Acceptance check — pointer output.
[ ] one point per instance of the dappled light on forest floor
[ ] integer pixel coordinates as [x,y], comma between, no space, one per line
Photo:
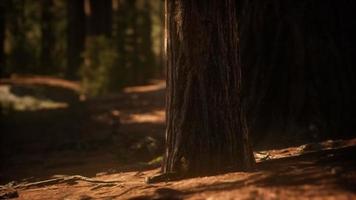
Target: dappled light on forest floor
[41,80]
[302,149]
[152,117]
[321,174]
[9,100]
[157,85]
[257,102]
[30,93]
[106,147]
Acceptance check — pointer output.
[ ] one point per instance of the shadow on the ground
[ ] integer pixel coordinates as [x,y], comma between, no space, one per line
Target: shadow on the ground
[334,167]
[122,132]
[104,134]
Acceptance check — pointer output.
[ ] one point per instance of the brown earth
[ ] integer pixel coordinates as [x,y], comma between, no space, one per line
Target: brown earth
[105,148]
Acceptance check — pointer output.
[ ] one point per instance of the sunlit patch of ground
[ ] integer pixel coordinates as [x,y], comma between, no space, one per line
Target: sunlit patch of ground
[11,101]
[157,85]
[116,142]
[303,149]
[151,117]
[124,117]
[42,80]
[31,93]
[328,173]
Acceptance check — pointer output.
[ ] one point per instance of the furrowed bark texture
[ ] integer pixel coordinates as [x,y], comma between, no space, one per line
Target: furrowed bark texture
[206,129]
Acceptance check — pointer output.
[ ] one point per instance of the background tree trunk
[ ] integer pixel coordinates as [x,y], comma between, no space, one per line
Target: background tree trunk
[146,65]
[100,19]
[75,37]
[47,37]
[206,130]
[2,38]
[19,56]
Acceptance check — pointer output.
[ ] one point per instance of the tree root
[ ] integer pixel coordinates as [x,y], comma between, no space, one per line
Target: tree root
[164,177]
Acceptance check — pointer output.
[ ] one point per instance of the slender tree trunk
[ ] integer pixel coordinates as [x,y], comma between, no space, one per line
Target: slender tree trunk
[161,62]
[147,65]
[2,38]
[15,23]
[134,41]
[206,129]
[75,37]
[120,26]
[100,19]
[47,37]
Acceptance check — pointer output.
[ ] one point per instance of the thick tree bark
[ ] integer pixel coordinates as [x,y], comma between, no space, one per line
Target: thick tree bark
[75,36]
[47,37]
[206,129]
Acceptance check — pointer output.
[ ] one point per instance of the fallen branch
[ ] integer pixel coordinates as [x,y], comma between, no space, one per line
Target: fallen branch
[65,179]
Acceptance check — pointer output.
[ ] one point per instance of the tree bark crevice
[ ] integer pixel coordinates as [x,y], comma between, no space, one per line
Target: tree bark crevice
[206,131]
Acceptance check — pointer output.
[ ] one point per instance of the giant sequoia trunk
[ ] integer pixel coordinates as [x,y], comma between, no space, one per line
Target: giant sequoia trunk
[206,129]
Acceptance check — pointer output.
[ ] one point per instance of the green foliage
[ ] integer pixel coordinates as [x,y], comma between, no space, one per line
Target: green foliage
[156,161]
[100,58]
[133,36]
[24,38]
[60,37]
[10,101]
[130,56]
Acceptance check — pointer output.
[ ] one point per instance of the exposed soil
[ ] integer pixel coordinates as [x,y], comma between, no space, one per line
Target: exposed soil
[105,148]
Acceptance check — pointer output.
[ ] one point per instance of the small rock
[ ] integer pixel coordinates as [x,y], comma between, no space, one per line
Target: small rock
[336,170]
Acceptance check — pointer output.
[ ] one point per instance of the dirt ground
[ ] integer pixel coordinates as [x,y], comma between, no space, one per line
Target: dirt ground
[106,147]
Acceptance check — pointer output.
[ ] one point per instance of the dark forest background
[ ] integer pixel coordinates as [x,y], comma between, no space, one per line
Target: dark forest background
[299,74]
[82,81]
[298,59]
[106,44]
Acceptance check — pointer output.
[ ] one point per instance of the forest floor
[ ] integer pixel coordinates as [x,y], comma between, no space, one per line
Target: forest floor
[56,145]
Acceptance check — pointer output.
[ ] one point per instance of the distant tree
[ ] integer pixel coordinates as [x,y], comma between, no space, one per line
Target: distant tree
[134,41]
[48,38]
[100,18]
[99,56]
[206,128]
[2,38]
[131,45]
[161,57]
[75,36]
[121,24]
[18,60]
[146,65]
